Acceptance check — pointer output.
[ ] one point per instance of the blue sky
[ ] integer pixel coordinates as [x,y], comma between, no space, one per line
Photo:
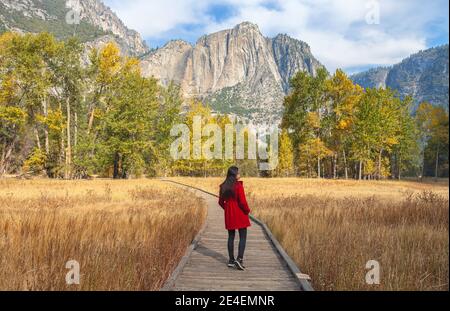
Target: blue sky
[350,34]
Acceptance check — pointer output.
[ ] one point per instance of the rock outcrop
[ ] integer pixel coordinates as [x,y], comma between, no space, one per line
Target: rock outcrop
[96,13]
[97,21]
[424,76]
[238,71]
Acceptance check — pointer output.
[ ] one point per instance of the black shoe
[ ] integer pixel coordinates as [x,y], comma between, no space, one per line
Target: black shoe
[239,264]
[231,263]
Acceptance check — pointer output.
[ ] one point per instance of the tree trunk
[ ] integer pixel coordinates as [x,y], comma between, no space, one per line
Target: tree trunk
[335,166]
[123,170]
[116,173]
[91,121]
[345,164]
[380,155]
[6,155]
[318,168]
[47,143]
[360,170]
[423,167]
[69,143]
[2,161]
[61,144]
[436,172]
[92,110]
[38,140]
[75,133]
[394,166]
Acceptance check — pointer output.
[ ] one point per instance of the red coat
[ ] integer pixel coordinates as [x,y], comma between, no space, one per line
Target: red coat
[236,209]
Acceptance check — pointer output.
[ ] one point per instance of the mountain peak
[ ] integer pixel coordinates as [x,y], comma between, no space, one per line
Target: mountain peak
[176,43]
[237,71]
[288,40]
[242,29]
[246,26]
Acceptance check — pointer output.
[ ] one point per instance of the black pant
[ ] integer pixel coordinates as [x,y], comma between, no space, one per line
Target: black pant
[242,243]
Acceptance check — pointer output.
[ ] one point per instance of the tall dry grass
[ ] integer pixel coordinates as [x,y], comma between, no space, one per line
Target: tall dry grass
[331,229]
[126,235]
[333,239]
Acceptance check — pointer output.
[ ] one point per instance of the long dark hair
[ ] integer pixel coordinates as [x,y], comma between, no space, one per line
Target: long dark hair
[227,188]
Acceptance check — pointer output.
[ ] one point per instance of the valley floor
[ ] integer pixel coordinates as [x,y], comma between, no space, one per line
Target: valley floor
[129,235]
[333,228]
[125,235]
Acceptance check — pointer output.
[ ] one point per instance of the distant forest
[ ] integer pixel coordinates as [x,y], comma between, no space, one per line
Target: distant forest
[64,117]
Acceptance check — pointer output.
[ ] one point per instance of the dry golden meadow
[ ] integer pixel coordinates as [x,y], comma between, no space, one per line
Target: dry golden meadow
[129,235]
[331,229]
[126,235]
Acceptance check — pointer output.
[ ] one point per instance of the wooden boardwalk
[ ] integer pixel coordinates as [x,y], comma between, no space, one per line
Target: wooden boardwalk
[204,266]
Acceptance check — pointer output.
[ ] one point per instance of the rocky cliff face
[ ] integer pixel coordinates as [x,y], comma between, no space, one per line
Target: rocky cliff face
[237,71]
[424,75]
[97,21]
[101,16]
[27,7]
[292,56]
[373,78]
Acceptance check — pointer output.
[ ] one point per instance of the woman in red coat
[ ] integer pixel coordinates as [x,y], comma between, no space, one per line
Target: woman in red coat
[232,200]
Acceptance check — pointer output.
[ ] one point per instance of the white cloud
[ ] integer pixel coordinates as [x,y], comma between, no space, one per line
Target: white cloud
[336,30]
[154,18]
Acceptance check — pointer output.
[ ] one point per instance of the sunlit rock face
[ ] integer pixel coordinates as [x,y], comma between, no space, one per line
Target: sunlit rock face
[237,71]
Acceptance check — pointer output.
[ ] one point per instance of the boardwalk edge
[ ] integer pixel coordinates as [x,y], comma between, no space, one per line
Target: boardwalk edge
[170,282]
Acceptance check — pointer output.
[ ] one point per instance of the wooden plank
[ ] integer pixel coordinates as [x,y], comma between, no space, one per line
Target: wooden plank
[229,272]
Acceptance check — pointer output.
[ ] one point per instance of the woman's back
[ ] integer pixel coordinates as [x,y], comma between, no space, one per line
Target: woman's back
[232,200]
[236,207]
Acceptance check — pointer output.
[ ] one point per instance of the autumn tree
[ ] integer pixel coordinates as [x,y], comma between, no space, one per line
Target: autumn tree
[25,83]
[405,154]
[169,109]
[286,156]
[376,129]
[68,88]
[340,128]
[12,125]
[128,131]
[197,117]
[343,96]
[304,110]
[71,119]
[434,128]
